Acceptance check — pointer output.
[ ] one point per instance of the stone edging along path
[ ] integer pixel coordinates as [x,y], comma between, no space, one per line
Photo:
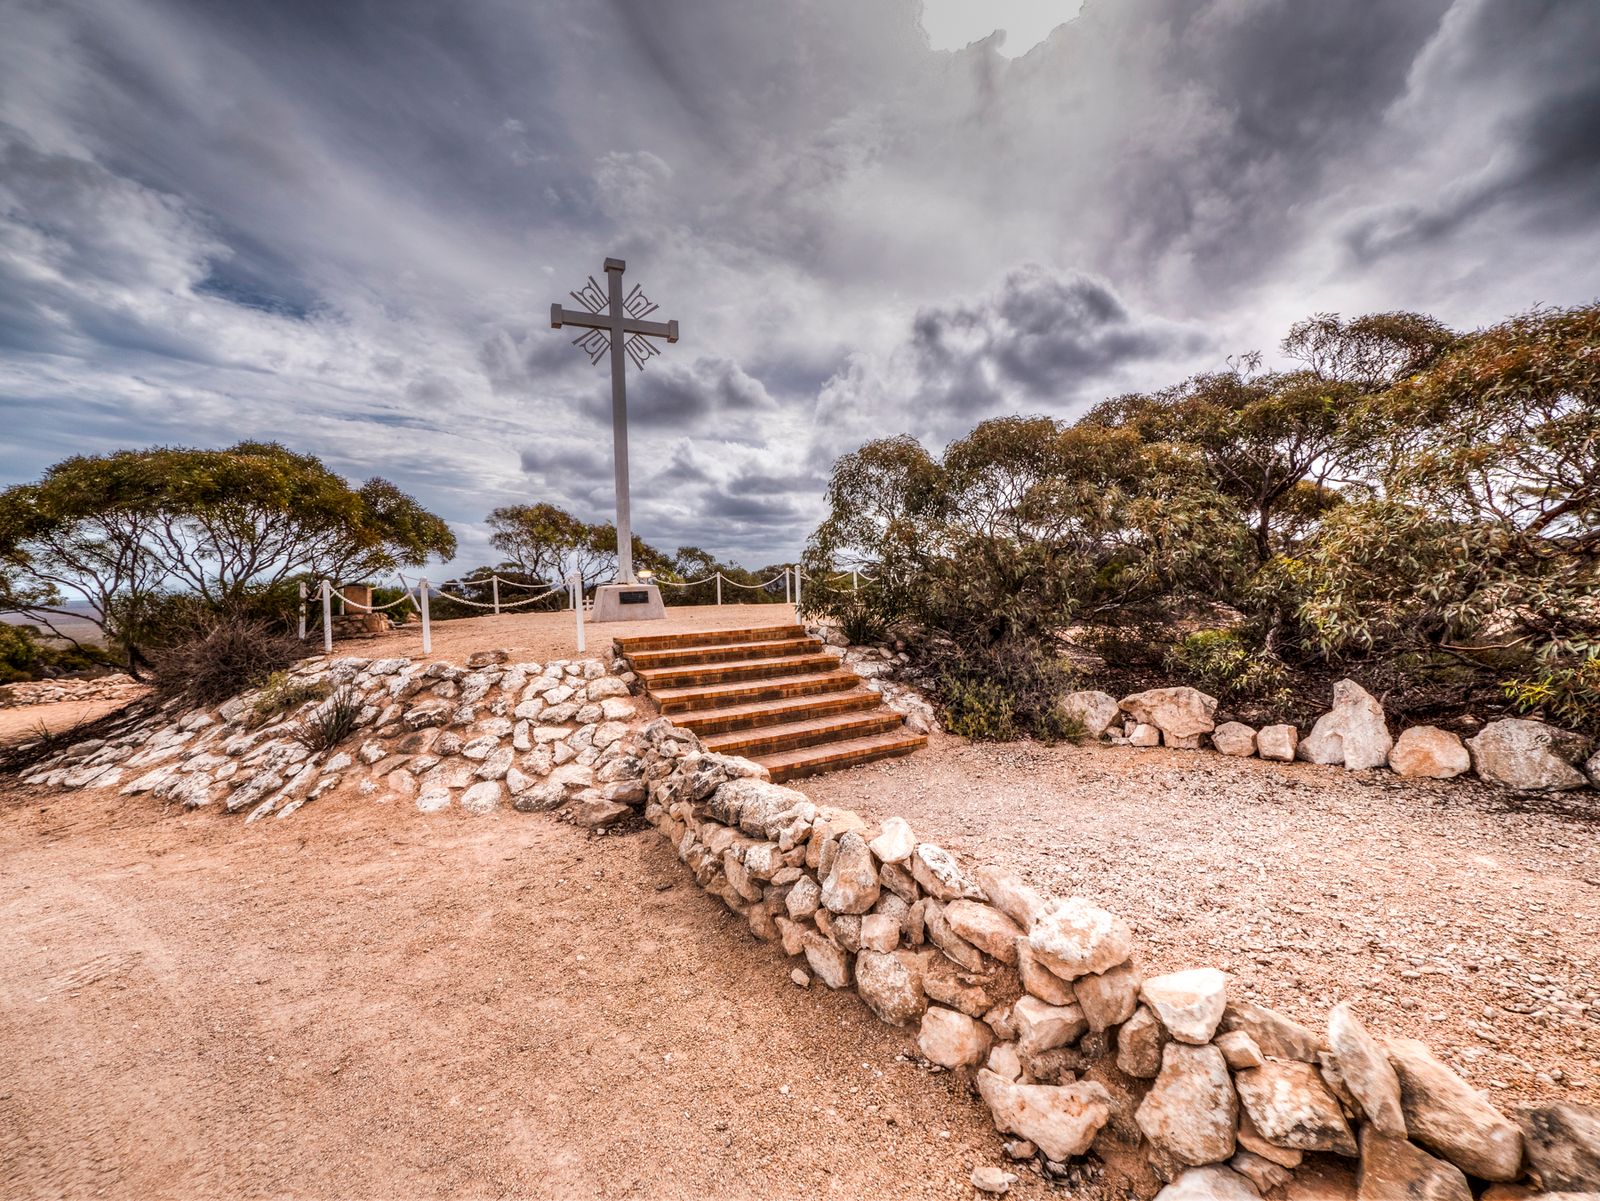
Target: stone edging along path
[1039,1002]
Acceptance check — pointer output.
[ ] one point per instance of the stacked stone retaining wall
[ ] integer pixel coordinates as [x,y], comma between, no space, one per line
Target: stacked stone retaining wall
[1041,1004]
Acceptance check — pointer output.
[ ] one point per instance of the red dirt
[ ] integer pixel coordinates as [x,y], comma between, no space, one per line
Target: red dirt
[369,1002]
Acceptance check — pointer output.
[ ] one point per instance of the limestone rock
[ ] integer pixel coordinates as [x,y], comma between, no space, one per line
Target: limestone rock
[1177,712]
[1353,732]
[1446,1115]
[1190,1003]
[1591,768]
[1250,1139]
[895,843]
[1007,893]
[1094,711]
[852,884]
[1260,1171]
[1040,980]
[1523,755]
[1061,1120]
[890,986]
[1239,1049]
[1366,1071]
[1278,742]
[1211,1183]
[939,875]
[1277,1036]
[986,928]
[1004,1061]
[829,961]
[1144,734]
[880,931]
[951,1039]
[1139,1044]
[1042,1027]
[596,812]
[946,982]
[1429,752]
[992,1180]
[1108,998]
[1191,1110]
[1291,1106]
[1234,738]
[804,898]
[1393,1168]
[1074,938]
[947,940]
[1563,1144]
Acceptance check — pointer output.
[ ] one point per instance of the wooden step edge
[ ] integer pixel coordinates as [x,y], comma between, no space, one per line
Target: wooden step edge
[712,673]
[723,652]
[833,756]
[684,700]
[810,732]
[660,642]
[795,708]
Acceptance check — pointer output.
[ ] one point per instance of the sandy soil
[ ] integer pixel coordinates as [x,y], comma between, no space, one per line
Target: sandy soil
[21,724]
[541,637]
[1447,911]
[369,1002]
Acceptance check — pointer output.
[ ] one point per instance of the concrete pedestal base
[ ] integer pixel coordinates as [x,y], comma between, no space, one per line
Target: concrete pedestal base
[627,602]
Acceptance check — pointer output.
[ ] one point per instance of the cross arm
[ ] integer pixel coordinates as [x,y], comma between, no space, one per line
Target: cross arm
[651,329]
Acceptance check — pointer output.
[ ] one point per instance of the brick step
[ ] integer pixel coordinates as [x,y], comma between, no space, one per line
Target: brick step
[770,713]
[737,669]
[722,652]
[831,756]
[791,735]
[745,692]
[665,642]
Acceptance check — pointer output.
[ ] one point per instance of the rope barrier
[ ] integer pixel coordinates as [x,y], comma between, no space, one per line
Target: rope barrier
[773,580]
[528,600]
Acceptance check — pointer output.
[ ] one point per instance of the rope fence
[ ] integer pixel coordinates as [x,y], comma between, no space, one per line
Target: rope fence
[574,587]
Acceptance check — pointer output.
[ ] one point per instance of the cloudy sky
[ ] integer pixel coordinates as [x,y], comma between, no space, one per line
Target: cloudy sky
[341,224]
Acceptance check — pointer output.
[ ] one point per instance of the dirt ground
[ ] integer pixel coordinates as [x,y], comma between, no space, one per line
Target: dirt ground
[541,637]
[1447,911]
[21,724]
[375,1003]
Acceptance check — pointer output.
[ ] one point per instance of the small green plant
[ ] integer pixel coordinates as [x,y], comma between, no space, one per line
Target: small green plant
[1570,695]
[281,695]
[1223,663]
[862,626]
[981,710]
[331,722]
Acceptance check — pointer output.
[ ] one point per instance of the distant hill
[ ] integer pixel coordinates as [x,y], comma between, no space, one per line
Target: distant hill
[80,628]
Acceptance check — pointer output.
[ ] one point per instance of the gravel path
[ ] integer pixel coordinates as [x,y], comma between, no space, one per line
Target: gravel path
[1446,911]
[374,1003]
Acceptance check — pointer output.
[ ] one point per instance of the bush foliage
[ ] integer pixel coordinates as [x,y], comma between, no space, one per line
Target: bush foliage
[1418,502]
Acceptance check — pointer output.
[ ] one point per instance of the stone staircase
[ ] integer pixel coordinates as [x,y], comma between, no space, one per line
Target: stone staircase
[771,694]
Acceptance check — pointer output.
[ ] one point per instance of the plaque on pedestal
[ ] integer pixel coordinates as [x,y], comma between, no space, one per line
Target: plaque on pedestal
[627,602]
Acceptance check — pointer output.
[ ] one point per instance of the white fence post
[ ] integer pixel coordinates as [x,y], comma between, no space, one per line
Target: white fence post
[797,589]
[327,618]
[855,580]
[494,583]
[427,626]
[577,607]
[719,587]
[302,610]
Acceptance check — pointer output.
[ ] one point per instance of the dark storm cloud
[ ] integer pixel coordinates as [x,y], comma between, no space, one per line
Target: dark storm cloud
[341,224]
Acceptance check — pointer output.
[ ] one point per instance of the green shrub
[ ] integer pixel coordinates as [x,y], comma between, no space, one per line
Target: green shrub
[331,722]
[1008,691]
[862,626]
[281,695]
[1568,694]
[1224,664]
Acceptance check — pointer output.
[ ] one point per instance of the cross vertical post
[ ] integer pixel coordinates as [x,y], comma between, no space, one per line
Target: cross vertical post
[619,423]
[614,323]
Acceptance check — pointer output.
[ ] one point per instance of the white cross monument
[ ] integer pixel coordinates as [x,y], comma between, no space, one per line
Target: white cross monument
[616,323]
